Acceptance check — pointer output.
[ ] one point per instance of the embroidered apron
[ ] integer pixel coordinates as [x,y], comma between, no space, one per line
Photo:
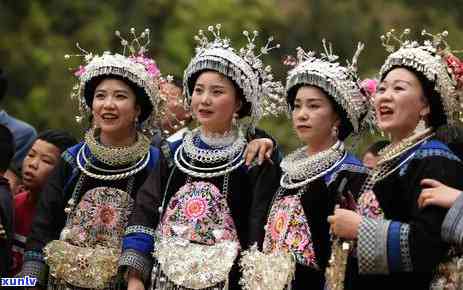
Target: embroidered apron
[87,253]
[197,241]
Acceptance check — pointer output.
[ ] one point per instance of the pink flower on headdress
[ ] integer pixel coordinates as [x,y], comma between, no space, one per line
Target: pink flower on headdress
[149,64]
[80,71]
[369,85]
[455,66]
[152,70]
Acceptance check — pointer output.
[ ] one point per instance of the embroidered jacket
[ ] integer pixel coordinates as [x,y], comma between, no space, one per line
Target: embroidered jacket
[401,250]
[249,193]
[299,224]
[51,218]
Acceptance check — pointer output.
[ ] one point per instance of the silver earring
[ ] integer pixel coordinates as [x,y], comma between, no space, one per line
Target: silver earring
[334,132]
[420,127]
[235,120]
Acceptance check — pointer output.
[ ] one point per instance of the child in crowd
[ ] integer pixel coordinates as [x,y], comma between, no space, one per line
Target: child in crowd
[37,166]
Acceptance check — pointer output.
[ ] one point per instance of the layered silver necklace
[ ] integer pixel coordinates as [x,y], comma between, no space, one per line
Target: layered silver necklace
[299,169]
[217,140]
[226,149]
[110,174]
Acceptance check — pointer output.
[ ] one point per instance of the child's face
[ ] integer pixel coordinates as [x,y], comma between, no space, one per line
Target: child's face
[38,164]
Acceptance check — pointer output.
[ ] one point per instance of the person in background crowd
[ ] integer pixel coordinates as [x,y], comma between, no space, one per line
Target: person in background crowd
[178,117]
[13,175]
[371,155]
[23,133]
[6,201]
[37,166]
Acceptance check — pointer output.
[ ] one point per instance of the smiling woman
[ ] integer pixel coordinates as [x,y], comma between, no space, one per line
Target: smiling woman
[399,245]
[401,103]
[115,111]
[84,209]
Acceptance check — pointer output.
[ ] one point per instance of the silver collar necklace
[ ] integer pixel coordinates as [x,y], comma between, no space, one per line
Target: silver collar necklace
[299,168]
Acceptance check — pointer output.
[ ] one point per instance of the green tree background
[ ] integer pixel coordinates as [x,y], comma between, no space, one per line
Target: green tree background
[35,35]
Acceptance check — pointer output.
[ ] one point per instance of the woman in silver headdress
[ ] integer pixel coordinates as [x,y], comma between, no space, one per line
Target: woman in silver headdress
[82,213]
[198,217]
[327,105]
[399,245]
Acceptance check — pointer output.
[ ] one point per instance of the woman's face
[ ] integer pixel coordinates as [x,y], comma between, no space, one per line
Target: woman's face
[114,108]
[214,101]
[400,103]
[313,116]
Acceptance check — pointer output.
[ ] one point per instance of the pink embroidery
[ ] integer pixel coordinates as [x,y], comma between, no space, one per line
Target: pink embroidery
[279,224]
[99,218]
[288,230]
[199,212]
[368,205]
[107,216]
[195,208]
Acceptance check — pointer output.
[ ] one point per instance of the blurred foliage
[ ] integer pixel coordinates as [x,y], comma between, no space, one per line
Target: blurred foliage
[35,35]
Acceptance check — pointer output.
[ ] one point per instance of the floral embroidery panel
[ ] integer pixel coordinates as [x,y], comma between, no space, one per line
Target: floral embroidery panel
[287,229]
[99,219]
[368,205]
[199,212]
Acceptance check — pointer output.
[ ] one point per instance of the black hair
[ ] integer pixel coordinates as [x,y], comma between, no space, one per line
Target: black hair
[3,84]
[6,147]
[141,99]
[345,127]
[437,116]
[452,135]
[177,81]
[376,147]
[60,138]
[245,109]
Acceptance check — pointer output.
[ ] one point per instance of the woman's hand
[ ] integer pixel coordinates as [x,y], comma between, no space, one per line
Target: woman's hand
[134,281]
[261,148]
[345,223]
[436,193]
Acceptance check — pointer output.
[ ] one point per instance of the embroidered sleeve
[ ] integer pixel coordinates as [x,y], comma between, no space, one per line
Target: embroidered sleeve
[68,157]
[137,261]
[137,249]
[383,247]
[452,227]
[138,241]
[426,153]
[139,238]
[34,266]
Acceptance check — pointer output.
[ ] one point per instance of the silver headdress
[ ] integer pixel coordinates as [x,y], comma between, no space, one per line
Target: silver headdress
[244,67]
[435,60]
[339,82]
[137,67]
